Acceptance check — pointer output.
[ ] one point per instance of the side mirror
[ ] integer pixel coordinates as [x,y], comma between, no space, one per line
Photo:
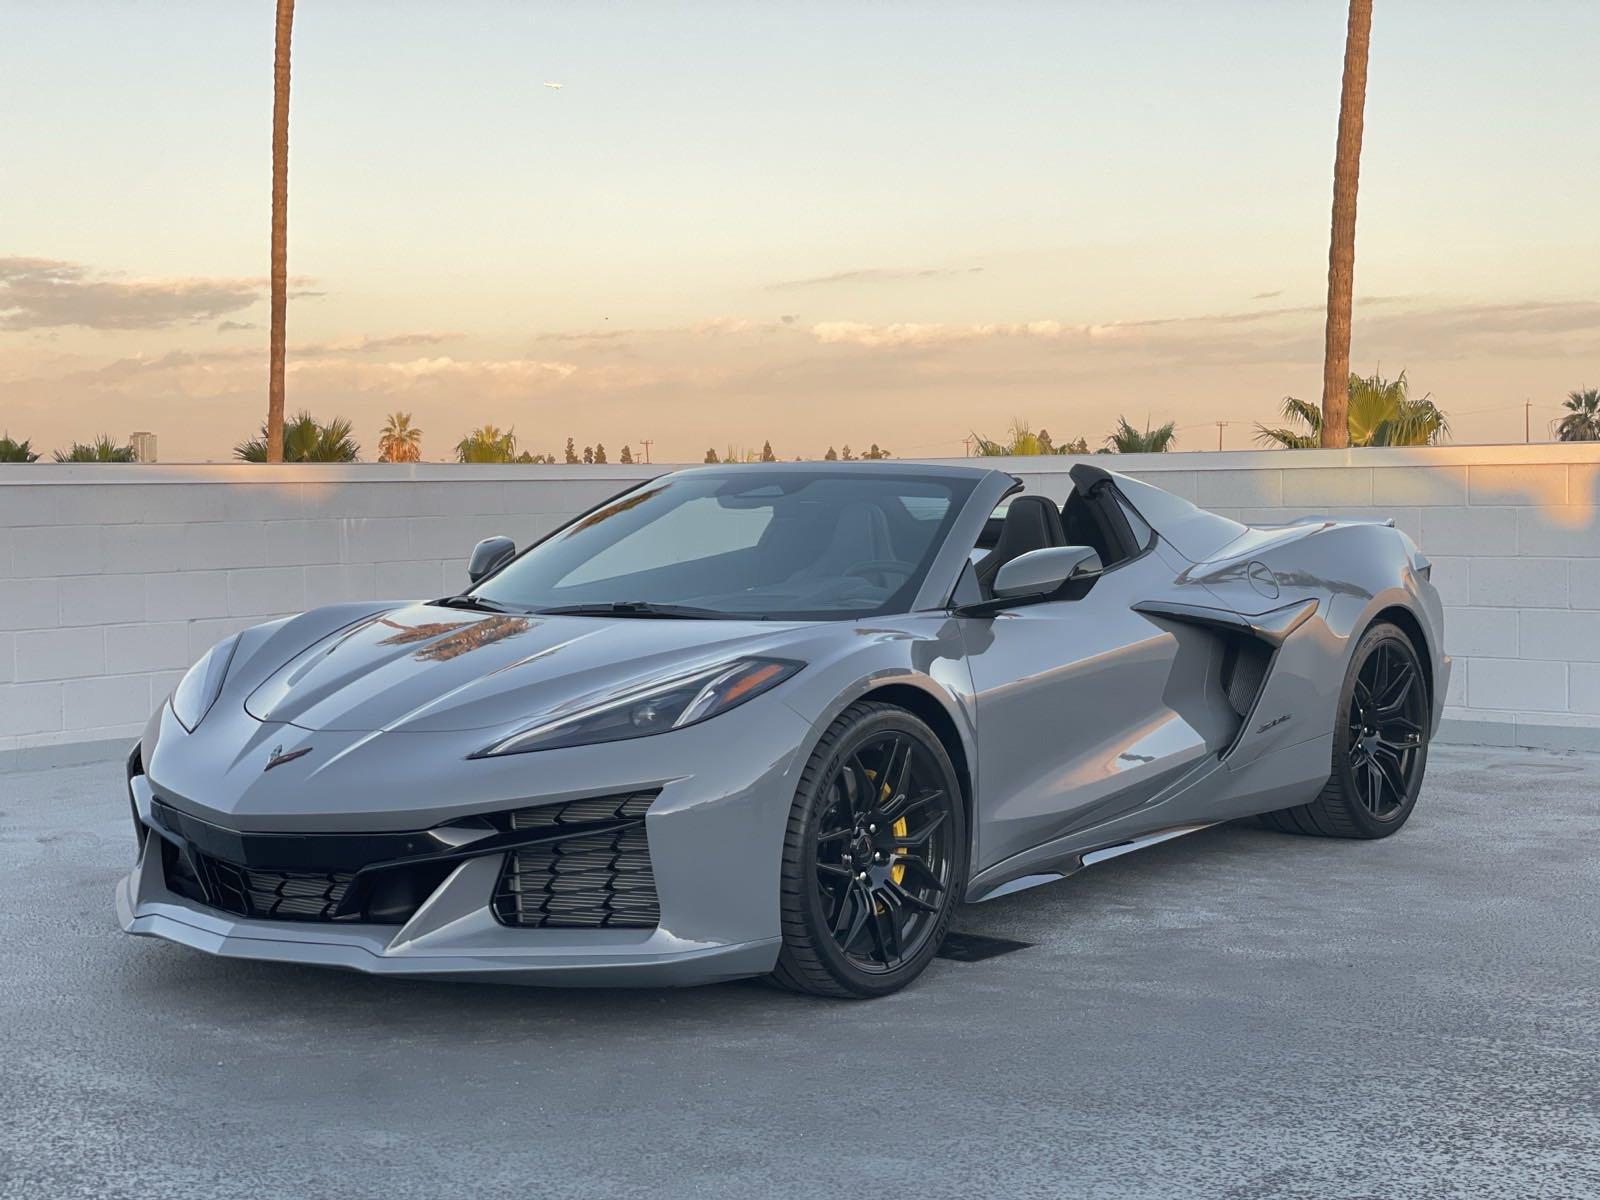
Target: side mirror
[1041,572]
[488,556]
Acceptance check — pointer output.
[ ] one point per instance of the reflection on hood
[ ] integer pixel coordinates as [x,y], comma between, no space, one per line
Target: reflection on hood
[462,635]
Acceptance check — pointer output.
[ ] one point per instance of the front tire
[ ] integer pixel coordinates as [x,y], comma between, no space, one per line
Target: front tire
[874,858]
[1380,745]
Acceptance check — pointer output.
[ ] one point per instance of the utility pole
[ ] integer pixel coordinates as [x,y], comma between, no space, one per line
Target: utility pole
[1220,425]
[967,442]
[1527,421]
[645,442]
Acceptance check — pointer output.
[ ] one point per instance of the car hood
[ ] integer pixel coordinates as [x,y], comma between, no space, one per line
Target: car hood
[428,669]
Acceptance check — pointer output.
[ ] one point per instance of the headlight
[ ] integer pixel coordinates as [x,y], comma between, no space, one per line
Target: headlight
[197,691]
[656,708]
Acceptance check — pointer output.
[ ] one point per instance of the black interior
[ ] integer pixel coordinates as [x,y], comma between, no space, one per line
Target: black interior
[1092,517]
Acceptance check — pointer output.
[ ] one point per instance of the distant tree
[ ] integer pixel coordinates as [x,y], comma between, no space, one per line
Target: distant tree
[588,454]
[400,440]
[1022,441]
[1046,446]
[766,453]
[846,455]
[305,440]
[711,456]
[487,444]
[1075,446]
[627,455]
[1581,424]
[831,456]
[1378,412]
[104,449]
[16,452]
[572,453]
[874,453]
[1125,439]
[599,452]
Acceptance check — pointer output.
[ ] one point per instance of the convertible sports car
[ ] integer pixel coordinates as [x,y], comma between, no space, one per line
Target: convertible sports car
[778,720]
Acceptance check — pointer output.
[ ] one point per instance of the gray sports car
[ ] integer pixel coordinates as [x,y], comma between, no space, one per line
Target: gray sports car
[778,720]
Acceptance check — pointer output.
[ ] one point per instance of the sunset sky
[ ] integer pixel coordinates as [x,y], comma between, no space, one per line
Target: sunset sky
[816,224]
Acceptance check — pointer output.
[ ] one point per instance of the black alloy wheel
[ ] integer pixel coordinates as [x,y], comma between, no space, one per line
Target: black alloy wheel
[874,858]
[1380,745]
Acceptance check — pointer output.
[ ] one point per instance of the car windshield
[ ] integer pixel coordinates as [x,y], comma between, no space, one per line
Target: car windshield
[757,543]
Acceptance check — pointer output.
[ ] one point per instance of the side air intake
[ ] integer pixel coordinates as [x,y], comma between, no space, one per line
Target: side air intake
[597,880]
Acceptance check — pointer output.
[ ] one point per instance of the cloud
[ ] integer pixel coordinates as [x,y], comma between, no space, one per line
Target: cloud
[44,293]
[367,344]
[1267,295]
[903,334]
[233,326]
[874,275]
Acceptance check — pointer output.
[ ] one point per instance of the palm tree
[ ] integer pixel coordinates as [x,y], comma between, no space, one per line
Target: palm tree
[1342,241]
[1125,439]
[104,449]
[400,441]
[16,452]
[1380,412]
[1024,441]
[1582,424]
[487,444]
[280,230]
[304,440]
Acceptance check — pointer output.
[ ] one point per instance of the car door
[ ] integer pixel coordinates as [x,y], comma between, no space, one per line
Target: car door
[1081,711]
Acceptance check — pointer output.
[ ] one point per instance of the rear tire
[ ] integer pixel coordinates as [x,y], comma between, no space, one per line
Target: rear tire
[1380,745]
[874,858]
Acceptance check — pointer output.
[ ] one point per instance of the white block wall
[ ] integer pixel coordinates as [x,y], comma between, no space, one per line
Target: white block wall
[113,579]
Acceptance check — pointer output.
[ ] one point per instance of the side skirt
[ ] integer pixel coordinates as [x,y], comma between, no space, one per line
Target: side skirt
[997,885]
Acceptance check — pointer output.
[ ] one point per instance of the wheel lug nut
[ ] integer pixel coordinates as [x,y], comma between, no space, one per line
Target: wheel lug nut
[872,829]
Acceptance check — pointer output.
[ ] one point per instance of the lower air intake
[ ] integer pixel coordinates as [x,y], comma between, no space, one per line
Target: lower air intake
[591,880]
[249,892]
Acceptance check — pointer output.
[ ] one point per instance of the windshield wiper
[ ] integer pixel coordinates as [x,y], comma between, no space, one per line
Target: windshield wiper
[636,608]
[476,603]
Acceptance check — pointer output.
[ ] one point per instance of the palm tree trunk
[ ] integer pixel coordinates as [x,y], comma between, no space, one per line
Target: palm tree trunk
[280,228]
[1342,245]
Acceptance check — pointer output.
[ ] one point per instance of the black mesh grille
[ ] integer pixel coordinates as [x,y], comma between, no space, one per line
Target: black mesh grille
[596,881]
[250,892]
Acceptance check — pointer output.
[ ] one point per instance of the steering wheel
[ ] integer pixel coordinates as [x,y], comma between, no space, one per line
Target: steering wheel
[882,567]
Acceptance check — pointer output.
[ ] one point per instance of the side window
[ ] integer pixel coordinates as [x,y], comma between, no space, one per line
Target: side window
[1143,535]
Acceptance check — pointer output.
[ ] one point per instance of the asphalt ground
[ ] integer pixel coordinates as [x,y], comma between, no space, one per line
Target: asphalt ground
[1236,1014]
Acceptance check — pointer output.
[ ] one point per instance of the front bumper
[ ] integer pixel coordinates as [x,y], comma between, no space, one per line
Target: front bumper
[715,834]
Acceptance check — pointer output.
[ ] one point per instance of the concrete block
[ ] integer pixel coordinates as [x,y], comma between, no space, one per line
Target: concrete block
[187,595]
[471,497]
[1570,531]
[30,603]
[171,503]
[1471,532]
[224,544]
[163,684]
[297,543]
[1481,632]
[409,581]
[340,582]
[1583,484]
[1455,692]
[452,537]
[1318,487]
[1558,636]
[1583,688]
[1450,577]
[1179,483]
[47,550]
[377,539]
[131,549]
[1467,727]
[112,700]
[44,654]
[1240,489]
[1556,731]
[30,707]
[266,591]
[5,552]
[205,634]
[152,646]
[8,657]
[248,502]
[49,755]
[103,599]
[1583,591]
[1518,685]
[1541,484]
[1421,487]
[1519,582]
